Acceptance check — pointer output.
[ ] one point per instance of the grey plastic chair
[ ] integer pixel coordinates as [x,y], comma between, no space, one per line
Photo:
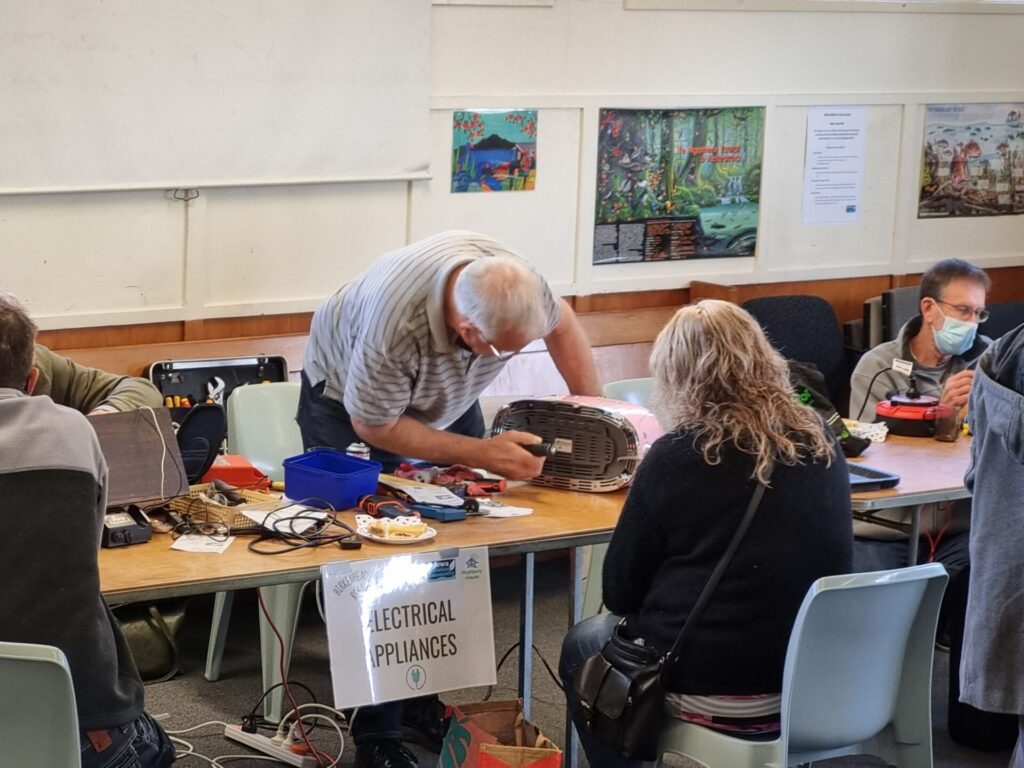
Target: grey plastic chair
[636,391]
[857,678]
[38,718]
[262,427]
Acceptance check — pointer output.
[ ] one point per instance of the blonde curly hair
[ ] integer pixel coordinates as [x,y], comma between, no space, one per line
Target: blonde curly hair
[717,375]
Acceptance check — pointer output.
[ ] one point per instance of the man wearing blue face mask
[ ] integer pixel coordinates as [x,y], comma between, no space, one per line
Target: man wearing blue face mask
[942,342]
[943,345]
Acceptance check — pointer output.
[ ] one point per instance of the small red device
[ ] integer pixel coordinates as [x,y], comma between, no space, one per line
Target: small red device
[909,416]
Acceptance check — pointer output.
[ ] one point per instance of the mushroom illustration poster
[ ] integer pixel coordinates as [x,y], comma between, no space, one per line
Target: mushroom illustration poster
[677,183]
[972,162]
[494,150]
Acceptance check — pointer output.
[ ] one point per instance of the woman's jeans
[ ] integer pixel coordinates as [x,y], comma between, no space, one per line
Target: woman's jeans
[583,641]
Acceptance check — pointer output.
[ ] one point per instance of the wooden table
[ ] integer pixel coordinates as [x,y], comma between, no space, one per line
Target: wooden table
[561,519]
[930,471]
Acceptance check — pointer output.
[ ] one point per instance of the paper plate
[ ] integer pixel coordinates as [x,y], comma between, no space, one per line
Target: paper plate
[363,529]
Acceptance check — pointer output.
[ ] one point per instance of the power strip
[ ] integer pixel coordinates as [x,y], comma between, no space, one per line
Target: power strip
[267,747]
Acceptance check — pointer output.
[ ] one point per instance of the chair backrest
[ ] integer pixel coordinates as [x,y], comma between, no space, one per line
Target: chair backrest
[637,391]
[861,648]
[1004,316]
[38,718]
[262,426]
[899,305]
[805,329]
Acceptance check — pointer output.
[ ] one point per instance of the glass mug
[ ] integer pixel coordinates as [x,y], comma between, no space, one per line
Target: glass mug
[948,422]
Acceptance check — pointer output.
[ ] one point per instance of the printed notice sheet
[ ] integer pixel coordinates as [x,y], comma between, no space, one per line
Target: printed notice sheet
[834,165]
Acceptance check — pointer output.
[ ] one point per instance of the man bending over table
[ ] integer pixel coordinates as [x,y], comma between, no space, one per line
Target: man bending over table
[397,359]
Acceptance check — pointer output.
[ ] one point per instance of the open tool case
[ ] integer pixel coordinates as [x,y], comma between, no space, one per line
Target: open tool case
[212,379]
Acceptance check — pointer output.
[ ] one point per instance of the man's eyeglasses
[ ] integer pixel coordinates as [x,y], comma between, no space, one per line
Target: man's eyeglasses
[964,312]
[502,356]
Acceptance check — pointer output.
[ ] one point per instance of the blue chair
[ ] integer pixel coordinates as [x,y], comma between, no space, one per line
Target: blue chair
[857,677]
[38,716]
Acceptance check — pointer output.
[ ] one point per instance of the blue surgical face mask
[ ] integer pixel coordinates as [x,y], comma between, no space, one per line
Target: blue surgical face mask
[955,336]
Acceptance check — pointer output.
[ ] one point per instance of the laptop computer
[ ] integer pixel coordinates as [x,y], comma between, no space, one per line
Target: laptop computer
[142,455]
[864,478]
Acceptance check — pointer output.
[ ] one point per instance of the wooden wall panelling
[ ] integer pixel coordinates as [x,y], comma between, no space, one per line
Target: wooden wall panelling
[846,295]
[111,335]
[625,327]
[611,302]
[135,360]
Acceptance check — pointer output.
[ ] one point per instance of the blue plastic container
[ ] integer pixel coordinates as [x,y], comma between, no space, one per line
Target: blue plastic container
[328,476]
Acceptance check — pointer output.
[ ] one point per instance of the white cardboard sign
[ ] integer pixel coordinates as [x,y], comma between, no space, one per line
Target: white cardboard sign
[409,625]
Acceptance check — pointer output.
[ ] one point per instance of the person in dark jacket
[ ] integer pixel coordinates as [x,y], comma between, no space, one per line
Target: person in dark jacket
[992,665]
[53,481]
[734,422]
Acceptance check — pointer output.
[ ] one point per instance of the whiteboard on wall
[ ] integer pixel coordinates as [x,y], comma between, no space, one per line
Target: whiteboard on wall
[135,94]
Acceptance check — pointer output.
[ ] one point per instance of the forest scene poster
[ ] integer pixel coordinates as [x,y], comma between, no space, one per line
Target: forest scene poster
[973,161]
[677,184]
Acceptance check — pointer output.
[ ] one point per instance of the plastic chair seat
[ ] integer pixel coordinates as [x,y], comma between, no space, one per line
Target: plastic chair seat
[857,677]
[38,715]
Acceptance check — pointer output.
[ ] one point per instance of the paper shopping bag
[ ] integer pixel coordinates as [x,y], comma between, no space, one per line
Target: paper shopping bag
[494,734]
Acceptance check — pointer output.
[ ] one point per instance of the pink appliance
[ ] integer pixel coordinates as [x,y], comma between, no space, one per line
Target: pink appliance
[598,442]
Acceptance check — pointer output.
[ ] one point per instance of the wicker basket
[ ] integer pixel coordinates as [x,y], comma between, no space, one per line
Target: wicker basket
[255,501]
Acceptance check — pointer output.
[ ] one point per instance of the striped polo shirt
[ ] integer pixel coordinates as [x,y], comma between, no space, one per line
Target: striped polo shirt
[380,343]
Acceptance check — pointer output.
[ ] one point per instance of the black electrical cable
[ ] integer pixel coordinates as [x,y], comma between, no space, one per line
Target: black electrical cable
[867,393]
[543,660]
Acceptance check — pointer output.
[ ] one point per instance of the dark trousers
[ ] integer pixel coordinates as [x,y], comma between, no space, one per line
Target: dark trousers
[324,422]
[141,743]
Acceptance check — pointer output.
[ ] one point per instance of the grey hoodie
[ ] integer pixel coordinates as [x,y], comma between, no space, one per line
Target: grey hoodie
[992,669]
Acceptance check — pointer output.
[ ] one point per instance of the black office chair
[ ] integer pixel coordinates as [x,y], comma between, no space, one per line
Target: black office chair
[805,329]
[1003,317]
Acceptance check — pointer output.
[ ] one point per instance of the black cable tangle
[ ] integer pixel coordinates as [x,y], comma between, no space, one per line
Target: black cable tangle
[198,520]
[316,535]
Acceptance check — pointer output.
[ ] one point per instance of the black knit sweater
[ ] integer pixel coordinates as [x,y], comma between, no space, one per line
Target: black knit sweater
[678,519]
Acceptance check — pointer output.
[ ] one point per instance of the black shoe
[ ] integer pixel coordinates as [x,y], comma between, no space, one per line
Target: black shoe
[385,753]
[423,722]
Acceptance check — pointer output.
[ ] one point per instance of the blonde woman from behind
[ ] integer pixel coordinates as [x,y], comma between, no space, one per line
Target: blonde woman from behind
[732,422]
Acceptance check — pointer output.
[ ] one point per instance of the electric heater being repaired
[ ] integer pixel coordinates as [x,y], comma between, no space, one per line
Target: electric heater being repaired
[595,443]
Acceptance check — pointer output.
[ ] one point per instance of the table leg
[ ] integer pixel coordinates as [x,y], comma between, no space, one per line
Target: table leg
[218,633]
[577,572]
[526,635]
[915,534]
[282,605]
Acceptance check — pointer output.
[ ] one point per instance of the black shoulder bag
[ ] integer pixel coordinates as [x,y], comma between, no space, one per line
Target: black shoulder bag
[620,689]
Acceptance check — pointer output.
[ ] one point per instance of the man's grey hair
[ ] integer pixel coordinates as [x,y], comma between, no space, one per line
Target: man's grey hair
[502,293]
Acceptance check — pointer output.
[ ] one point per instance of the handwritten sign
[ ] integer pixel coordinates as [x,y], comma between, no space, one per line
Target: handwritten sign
[409,625]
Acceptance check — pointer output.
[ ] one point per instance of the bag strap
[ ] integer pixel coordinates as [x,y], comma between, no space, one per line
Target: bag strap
[716,575]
